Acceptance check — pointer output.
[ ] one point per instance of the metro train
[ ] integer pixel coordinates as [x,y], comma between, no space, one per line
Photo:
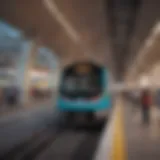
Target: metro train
[84,91]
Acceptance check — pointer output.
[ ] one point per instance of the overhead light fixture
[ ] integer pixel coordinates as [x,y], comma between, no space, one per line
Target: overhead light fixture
[70,30]
[144,81]
[156,29]
[54,11]
[145,49]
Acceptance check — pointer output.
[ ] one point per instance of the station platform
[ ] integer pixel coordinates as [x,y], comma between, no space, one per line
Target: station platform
[127,138]
[142,141]
[6,109]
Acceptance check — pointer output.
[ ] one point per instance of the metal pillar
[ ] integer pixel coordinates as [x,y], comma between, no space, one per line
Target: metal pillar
[29,66]
[24,67]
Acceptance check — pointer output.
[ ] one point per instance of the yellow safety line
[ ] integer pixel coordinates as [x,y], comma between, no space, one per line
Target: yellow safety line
[118,151]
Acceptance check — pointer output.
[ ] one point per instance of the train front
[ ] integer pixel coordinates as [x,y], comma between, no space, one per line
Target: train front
[83,91]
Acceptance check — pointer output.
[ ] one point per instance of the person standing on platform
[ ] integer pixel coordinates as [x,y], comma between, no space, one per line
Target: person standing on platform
[146,105]
[157,99]
[157,103]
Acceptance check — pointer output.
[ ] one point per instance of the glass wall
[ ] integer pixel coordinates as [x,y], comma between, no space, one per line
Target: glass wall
[14,53]
[11,46]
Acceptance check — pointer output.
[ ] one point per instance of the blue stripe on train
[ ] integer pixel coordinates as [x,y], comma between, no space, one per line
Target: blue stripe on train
[101,104]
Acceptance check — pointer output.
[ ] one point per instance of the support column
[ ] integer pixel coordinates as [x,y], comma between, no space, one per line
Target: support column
[29,51]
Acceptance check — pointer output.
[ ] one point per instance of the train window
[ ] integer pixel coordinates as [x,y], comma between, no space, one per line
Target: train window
[69,84]
[86,83]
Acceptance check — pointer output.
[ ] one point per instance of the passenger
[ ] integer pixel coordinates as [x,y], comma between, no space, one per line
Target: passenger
[146,104]
[157,98]
[157,103]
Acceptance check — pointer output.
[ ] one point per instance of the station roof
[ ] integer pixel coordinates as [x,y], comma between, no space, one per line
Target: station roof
[109,31]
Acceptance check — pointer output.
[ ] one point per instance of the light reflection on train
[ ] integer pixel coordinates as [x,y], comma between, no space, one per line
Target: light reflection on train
[84,91]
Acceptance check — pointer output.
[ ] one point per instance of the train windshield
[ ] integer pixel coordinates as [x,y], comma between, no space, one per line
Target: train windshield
[82,83]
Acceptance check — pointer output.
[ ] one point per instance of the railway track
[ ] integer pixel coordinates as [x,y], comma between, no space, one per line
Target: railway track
[64,143]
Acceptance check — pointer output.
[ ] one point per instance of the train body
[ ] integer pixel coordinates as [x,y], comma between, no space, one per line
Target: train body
[84,89]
